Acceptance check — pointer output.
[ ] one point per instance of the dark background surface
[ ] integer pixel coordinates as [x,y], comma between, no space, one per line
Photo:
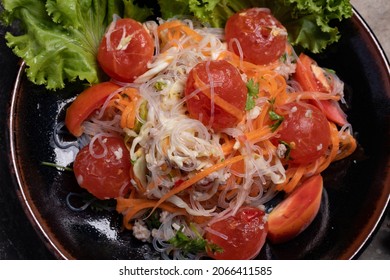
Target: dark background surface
[18,239]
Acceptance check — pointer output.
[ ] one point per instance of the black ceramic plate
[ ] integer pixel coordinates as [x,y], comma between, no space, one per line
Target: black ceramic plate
[356,189]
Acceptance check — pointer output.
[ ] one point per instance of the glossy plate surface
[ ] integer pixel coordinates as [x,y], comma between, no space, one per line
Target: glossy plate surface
[357,189]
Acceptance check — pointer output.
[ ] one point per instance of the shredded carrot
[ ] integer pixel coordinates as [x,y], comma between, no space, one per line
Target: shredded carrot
[262,119]
[293,175]
[199,219]
[172,31]
[128,116]
[132,206]
[256,133]
[253,137]
[126,102]
[348,146]
[167,25]
[197,177]
[249,68]
[327,160]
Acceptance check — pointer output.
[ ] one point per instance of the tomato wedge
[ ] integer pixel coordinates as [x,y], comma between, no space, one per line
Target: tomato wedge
[311,78]
[294,214]
[305,76]
[85,103]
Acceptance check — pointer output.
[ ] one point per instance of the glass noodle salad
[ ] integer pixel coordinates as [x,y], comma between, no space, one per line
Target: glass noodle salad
[199,128]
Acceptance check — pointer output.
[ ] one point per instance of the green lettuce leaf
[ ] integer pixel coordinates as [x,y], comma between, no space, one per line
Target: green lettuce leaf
[308,22]
[134,11]
[60,38]
[216,12]
[311,23]
[173,8]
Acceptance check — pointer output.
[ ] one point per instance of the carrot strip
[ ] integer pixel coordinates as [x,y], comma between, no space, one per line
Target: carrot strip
[171,32]
[197,177]
[126,102]
[128,116]
[259,134]
[135,205]
[348,146]
[293,180]
[168,25]
[253,137]
[249,68]
[334,148]
[192,33]
[261,120]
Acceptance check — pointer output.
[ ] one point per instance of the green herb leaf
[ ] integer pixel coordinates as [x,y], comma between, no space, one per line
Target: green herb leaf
[192,245]
[278,119]
[60,167]
[173,8]
[275,125]
[153,220]
[275,117]
[253,93]
[60,38]
[135,11]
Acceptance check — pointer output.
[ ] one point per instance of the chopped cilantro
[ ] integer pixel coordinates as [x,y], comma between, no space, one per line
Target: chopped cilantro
[253,92]
[192,245]
[153,220]
[278,119]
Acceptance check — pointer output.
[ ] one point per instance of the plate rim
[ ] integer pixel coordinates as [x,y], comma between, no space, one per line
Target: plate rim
[60,252]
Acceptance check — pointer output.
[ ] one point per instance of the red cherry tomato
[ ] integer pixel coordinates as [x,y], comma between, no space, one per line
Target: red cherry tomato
[125,50]
[105,176]
[307,131]
[261,36]
[229,94]
[245,233]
